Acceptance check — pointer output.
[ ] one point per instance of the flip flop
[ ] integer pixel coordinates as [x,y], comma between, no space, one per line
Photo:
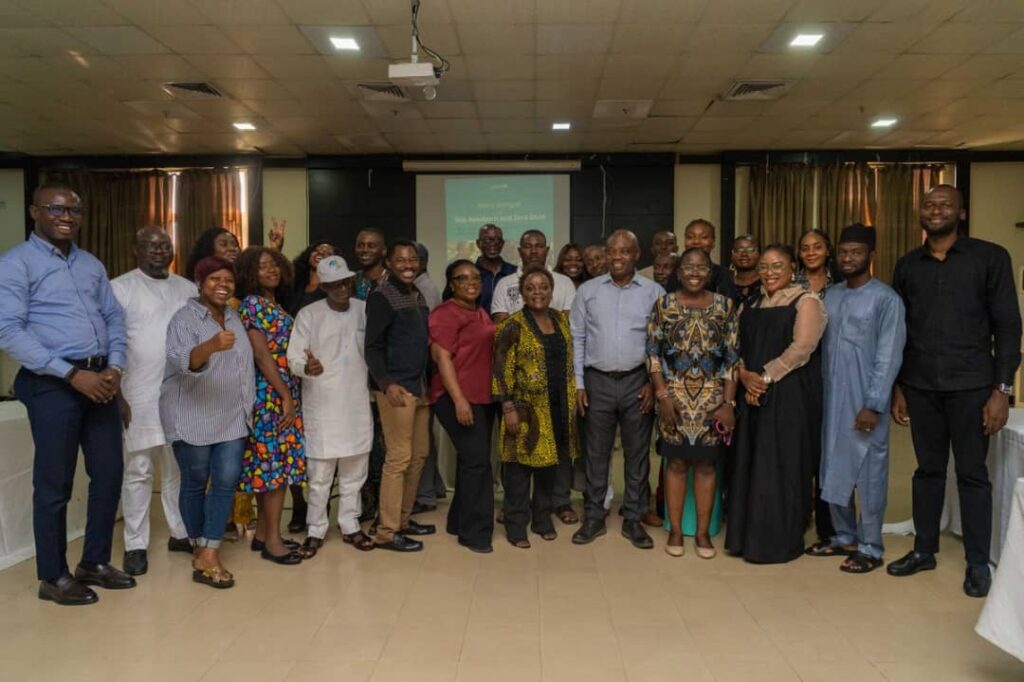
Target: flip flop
[828,549]
[860,563]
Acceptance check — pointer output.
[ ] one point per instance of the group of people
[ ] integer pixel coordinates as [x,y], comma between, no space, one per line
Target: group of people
[766,385]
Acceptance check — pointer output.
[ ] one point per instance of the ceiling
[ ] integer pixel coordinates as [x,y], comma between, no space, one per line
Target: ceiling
[84,76]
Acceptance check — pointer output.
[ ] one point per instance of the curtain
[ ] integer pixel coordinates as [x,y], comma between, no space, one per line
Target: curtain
[846,194]
[781,202]
[115,205]
[898,226]
[207,198]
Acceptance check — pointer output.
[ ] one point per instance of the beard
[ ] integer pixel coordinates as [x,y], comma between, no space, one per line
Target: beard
[942,231]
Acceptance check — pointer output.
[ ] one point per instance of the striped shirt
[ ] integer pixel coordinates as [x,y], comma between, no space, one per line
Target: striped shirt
[212,404]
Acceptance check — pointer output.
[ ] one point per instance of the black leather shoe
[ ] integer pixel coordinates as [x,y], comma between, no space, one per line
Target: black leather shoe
[635,533]
[911,563]
[588,532]
[400,543]
[179,545]
[420,507]
[135,562]
[418,529]
[288,559]
[977,581]
[104,575]
[67,591]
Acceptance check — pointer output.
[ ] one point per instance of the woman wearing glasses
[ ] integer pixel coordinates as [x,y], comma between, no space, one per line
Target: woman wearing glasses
[461,339]
[778,440]
[691,355]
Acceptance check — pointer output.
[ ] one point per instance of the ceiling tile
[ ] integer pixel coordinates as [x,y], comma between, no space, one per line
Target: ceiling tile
[629,88]
[438,109]
[959,38]
[16,16]
[272,107]
[328,89]
[300,66]
[156,12]
[1011,44]
[711,122]
[454,125]
[778,66]
[987,67]
[662,39]
[679,107]
[334,12]
[992,10]
[832,10]
[569,66]
[387,12]
[161,67]
[220,108]
[925,11]
[847,66]
[358,69]
[270,40]
[506,109]
[690,88]
[253,88]
[441,38]
[637,66]
[496,38]
[822,88]
[574,38]
[227,66]
[665,127]
[194,39]
[920,65]
[881,88]
[744,12]
[881,38]
[503,91]
[569,11]
[500,67]
[663,11]
[509,141]
[508,125]
[561,111]
[504,12]
[40,42]
[729,108]
[242,12]
[77,13]
[118,40]
[714,38]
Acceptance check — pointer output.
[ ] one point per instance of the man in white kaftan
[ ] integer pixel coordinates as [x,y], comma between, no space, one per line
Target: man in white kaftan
[326,351]
[150,295]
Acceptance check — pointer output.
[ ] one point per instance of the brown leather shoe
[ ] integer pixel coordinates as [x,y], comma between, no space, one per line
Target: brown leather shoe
[104,575]
[652,519]
[66,591]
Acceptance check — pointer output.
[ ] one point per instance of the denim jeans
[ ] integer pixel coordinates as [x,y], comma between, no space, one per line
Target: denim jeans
[219,466]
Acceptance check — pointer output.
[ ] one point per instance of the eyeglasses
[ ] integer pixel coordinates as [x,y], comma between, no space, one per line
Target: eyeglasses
[777,266]
[57,210]
[490,240]
[744,249]
[466,279]
[695,269]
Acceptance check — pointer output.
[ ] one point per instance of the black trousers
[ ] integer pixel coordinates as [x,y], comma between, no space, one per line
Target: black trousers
[471,514]
[614,403]
[62,420]
[938,419]
[520,507]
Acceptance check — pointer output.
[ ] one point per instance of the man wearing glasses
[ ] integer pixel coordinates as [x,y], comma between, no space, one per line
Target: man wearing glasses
[60,320]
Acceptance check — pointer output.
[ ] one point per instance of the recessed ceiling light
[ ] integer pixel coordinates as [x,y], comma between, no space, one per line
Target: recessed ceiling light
[883,123]
[561,126]
[806,39]
[344,43]
[244,125]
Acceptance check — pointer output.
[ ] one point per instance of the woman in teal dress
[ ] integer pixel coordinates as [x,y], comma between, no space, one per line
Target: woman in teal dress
[274,452]
[691,356]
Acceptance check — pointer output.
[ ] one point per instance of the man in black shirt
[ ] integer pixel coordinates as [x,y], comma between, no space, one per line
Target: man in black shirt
[963,347]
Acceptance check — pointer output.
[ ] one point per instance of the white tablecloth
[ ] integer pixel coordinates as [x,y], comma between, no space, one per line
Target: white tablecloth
[16,453]
[1002,618]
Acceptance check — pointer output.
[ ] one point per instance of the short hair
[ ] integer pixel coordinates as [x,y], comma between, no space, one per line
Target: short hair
[695,249]
[785,249]
[247,272]
[449,271]
[403,242]
[489,226]
[531,233]
[52,186]
[746,238]
[422,252]
[700,221]
[373,230]
[531,271]
[624,232]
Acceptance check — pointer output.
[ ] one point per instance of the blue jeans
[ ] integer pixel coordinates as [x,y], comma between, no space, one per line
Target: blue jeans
[206,510]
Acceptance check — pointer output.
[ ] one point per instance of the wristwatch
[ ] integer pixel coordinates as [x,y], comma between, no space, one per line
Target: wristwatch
[731,403]
[118,369]
[766,378]
[1005,389]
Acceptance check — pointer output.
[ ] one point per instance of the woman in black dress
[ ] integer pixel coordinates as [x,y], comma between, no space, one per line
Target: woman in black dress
[779,425]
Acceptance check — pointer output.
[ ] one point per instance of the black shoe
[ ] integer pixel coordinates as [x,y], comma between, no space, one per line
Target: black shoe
[179,545]
[911,563]
[259,545]
[588,532]
[977,581]
[67,591]
[418,529]
[635,533]
[400,543]
[135,562]
[419,508]
[104,575]
[482,549]
[287,559]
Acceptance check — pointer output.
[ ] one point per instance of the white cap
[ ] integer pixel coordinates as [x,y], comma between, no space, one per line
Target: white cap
[333,269]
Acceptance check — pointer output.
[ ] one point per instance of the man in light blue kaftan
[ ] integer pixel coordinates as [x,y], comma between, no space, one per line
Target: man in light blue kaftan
[862,353]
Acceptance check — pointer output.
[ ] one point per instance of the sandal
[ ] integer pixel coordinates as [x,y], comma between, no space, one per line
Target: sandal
[567,515]
[214,576]
[549,536]
[260,545]
[359,540]
[521,543]
[828,549]
[288,559]
[859,563]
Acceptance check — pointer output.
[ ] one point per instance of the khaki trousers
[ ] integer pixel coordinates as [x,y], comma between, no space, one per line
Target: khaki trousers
[407,439]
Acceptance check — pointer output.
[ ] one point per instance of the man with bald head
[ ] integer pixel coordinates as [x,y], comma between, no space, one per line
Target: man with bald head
[609,331]
[150,295]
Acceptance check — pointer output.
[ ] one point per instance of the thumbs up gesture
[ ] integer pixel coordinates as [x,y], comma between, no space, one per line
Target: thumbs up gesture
[313,366]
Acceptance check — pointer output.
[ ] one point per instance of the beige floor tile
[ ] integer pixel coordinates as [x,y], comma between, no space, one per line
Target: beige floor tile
[338,669]
[731,670]
[245,671]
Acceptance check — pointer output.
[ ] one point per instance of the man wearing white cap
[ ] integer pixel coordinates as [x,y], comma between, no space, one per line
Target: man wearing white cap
[326,350]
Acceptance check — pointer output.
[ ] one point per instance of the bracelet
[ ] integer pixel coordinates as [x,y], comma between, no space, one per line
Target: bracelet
[507,410]
[730,403]
[766,378]
[662,395]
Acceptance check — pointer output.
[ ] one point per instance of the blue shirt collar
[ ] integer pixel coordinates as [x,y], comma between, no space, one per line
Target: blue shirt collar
[607,278]
[49,248]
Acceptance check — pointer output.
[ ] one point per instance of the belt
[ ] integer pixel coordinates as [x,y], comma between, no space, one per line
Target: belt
[617,374]
[94,362]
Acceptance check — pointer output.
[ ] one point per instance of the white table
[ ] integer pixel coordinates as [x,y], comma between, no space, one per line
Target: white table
[1002,618]
[16,454]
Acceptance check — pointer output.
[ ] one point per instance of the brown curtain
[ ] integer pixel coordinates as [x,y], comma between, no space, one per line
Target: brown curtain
[207,198]
[781,202]
[115,205]
[900,188]
[846,194]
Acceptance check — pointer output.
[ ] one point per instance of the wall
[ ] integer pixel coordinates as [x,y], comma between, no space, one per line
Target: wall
[286,199]
[698,194]
[12,232]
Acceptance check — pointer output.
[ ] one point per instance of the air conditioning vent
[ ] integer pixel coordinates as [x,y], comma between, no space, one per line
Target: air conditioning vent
[383,91]
[192,90]
[742,91]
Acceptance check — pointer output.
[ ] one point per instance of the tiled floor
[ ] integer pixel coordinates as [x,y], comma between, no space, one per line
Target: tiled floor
[556,612]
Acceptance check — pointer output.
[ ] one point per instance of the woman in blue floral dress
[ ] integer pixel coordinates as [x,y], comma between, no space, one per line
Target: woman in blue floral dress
[274,454]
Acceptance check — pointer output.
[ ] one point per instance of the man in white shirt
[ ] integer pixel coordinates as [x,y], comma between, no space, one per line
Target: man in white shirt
[533,252]
[150,295]
[327,351]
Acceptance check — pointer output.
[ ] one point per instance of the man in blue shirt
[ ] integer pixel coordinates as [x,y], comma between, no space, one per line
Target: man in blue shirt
[60,320]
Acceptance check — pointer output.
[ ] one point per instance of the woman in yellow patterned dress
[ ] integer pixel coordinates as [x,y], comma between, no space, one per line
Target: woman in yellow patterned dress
[533,379]
[691,355]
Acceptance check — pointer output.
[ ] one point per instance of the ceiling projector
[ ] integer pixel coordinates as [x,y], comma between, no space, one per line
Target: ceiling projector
[414,74]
